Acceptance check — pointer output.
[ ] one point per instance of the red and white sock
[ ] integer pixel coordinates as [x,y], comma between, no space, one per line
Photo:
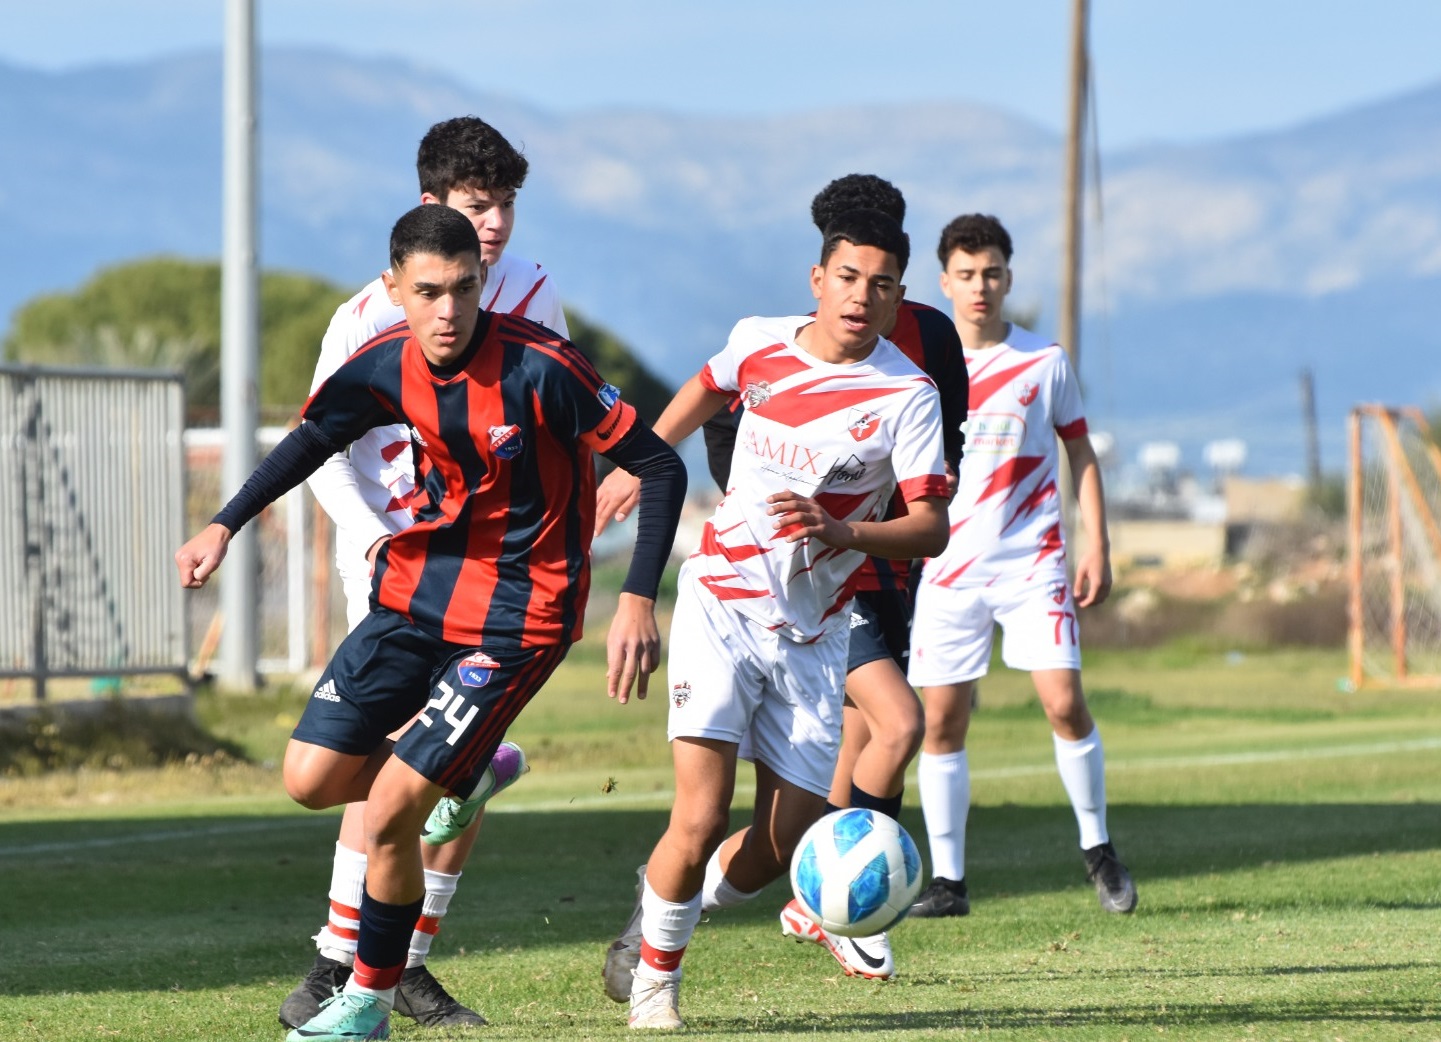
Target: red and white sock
[439,889]
[336,939]
[666,928]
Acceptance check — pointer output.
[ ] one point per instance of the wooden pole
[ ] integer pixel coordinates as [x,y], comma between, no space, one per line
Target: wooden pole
[1357,619]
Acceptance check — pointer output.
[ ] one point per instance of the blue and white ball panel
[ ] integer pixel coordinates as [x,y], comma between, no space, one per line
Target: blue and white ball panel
[856,872]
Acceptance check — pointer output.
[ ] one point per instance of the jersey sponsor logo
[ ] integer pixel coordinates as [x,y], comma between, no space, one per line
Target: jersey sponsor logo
[608,394]
[506,441]
[326,692]
[1057,591]
[476,670]
[998,433]
[680,694]
[787,454]
[862,423]
[852,469]
[1026,392]
[756,394]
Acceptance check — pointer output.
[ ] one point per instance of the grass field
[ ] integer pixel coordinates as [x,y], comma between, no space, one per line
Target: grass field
[1285,838]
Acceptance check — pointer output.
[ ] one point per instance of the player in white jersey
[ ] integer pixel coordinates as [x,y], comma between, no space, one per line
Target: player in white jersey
[369,493]
[1006,563]
[836,419]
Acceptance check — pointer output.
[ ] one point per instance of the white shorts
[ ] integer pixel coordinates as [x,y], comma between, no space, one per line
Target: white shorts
[734,680]
[952,628]
[355,575]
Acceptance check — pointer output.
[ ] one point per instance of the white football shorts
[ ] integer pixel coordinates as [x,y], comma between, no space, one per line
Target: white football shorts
[734,680]
[952,629]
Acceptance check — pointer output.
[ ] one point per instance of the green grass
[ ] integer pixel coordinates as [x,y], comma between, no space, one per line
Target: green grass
[1283,834]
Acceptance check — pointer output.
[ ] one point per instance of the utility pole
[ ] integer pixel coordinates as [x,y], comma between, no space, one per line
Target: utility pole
[1313,436]
[239,340]
[1070,317]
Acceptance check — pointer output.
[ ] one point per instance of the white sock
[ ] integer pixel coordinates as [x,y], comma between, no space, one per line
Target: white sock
[439,889]
[945,783]
[337,938]
[385,995]
[1083,772]
[717,892]
[667,925]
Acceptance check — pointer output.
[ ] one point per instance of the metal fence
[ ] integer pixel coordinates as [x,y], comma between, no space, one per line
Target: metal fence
[92,507]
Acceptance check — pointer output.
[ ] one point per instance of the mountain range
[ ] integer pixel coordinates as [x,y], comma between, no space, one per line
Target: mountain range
[1214,272]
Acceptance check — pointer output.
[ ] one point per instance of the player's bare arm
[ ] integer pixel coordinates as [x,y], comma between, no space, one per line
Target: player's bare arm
[692,405]
[921,532]
[1093,564]
[199,558]
[632,648]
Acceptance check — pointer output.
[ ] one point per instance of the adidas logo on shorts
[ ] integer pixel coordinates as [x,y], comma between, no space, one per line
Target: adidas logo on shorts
[857,619]
[327,692]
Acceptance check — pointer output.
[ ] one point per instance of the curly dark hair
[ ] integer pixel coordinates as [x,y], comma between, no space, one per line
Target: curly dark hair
[857,192]
[972,233]
[467,152]
[868,227]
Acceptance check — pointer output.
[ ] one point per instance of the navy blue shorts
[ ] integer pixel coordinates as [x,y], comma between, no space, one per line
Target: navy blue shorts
[880,628]
[386,671]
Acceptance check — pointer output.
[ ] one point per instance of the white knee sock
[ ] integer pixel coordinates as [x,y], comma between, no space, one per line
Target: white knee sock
[1083,772]
[667,925]
[717,892]
[336,939]
[439,889]
[945,783]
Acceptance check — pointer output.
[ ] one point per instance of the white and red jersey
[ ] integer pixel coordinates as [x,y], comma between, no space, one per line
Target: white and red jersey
[845,435]
[367,493]
[1006,516]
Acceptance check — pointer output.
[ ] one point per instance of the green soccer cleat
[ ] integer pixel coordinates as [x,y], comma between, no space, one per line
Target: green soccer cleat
[451,816]
[348,1017]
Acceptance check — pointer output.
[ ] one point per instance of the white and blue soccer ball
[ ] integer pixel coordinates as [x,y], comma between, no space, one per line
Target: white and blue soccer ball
[856,872]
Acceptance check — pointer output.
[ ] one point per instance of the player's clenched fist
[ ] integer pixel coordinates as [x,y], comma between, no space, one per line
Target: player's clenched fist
[202,555]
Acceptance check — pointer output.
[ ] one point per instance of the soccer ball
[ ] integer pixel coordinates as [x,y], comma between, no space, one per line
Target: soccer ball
[856,872]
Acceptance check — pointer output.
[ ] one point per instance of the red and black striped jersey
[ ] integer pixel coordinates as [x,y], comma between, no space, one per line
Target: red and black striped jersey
[506,433]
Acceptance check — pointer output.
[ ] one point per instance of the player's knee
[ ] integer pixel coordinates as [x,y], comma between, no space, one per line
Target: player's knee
[308,791]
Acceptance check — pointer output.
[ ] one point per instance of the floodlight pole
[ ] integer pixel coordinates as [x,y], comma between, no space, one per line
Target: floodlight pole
[239,340]
[1070,317]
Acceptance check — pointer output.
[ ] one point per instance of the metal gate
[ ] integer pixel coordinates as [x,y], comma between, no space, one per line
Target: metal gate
[92,508]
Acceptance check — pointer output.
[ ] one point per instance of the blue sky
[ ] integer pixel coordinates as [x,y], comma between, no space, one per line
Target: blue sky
[1165,70]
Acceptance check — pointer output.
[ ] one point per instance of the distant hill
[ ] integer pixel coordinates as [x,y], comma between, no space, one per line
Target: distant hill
[1217,273]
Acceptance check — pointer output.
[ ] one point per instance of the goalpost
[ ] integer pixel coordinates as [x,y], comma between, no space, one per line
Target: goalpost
[1394,513]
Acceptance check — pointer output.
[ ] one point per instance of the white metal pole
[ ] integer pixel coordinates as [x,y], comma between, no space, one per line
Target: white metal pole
[239,339]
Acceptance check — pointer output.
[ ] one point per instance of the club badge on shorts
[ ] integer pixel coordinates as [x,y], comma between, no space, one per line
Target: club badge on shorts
[476,670]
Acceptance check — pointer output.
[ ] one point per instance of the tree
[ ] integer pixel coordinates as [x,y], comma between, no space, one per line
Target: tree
[164,312]
[645,392]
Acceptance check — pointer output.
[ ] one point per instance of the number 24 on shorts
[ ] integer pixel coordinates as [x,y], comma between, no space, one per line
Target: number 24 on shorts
[451,704]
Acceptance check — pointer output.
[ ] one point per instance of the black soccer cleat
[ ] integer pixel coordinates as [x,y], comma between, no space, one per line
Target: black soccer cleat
[325,978]
[424,999]
[943,899]
[1114,888]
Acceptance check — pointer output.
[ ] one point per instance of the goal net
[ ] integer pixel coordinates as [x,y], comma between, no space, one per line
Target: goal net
[1394,495]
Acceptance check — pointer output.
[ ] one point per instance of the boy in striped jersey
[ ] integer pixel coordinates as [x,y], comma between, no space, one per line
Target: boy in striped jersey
[370,492]
[475,603]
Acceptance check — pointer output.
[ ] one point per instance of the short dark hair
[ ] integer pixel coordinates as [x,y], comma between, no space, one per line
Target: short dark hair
[857,192]
[432,228]
[867,228]
[972,233]
[467,152]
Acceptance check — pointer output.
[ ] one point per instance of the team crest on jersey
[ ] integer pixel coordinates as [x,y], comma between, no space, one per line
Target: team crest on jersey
[1057,590]
[852,469]
[475,670]
[862,423]
[1026,392]
[680,694]
[756,394]
[608,394]
[506,442]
